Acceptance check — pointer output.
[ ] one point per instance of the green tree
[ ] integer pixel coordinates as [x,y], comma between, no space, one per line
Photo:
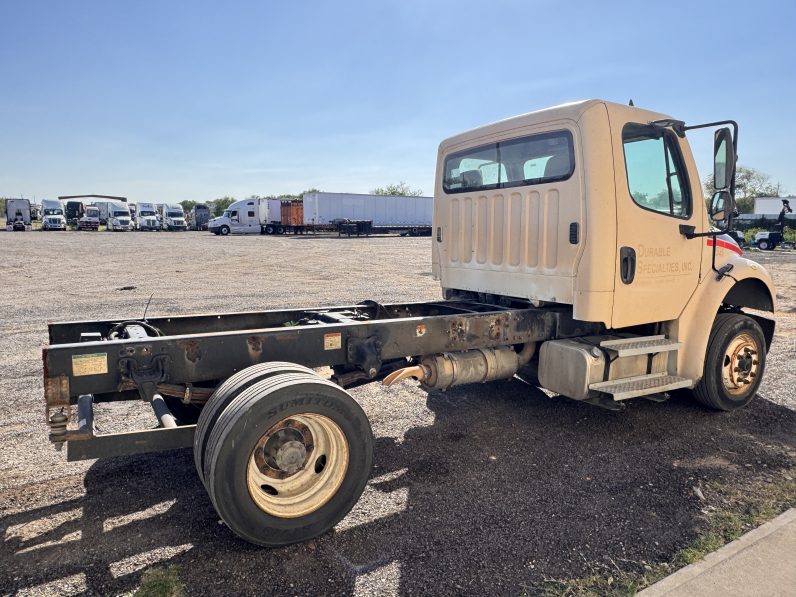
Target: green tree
[401,189]
[749,184]
[217,206]
[187,205]
[2,207]
[299,196]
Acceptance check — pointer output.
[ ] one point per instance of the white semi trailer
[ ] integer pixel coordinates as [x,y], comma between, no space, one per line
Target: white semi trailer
[382,211]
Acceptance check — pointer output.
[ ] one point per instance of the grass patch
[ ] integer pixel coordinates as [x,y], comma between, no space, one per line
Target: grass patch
[160,582]
[729,513]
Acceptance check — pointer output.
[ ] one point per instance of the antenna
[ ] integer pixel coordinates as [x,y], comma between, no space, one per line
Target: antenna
[147,306]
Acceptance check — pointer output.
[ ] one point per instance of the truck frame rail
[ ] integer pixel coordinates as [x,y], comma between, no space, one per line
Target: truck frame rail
[186,357]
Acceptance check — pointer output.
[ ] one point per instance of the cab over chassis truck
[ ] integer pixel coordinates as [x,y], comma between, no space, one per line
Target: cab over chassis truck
[572,245]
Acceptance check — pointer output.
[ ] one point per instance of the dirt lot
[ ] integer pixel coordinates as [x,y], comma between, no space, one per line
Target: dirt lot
[486,489]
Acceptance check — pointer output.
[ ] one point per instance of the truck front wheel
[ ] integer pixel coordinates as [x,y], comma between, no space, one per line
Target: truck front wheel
[224,230]
[288,459]
[734,364]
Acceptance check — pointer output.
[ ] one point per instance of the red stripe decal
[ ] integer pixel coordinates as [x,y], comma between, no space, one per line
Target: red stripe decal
[726,245]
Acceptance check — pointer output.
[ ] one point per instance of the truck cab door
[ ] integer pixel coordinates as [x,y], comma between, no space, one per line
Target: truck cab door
[234,221]
[657,267]
[252,222]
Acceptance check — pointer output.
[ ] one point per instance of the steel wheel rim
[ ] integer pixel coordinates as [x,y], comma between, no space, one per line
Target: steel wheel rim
[741,364]
[297,466]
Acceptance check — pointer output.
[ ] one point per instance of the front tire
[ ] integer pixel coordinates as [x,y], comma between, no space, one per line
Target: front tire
[288,459]
[224,230]
[734,363]
[763,245]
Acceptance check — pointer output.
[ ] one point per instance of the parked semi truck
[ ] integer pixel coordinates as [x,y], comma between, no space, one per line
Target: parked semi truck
[52,215]
[73,211]
[172,216]
[148,217]
[18,215]
[249,216]
[572,246]
[200,216]
[90,219]
[117,216]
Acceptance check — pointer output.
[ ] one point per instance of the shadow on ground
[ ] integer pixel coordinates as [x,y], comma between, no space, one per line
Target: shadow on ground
[506,487]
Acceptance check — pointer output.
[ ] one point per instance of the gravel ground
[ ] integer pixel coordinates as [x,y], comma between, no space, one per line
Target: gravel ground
[483,489]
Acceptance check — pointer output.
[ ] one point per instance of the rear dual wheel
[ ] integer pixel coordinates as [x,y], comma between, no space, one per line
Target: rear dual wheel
[287,456]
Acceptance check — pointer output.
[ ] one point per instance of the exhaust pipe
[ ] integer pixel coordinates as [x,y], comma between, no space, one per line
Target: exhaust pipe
[443,371]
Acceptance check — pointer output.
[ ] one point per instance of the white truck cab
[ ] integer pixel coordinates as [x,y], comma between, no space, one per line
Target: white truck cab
[248,216]
[52,215]
[118,218]
[597,208]
[148,218]
[172,216]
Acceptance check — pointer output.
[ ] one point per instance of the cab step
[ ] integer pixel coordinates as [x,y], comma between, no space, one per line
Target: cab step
[628,347]
[641,385]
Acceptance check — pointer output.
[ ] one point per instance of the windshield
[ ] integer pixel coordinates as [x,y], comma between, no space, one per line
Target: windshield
[174,214]
[146,212]
[227,214]
[92,212]
[53,212]
[120,214]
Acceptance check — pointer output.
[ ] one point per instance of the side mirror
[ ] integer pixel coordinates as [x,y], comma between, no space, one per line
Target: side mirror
[723,159]
[721,207]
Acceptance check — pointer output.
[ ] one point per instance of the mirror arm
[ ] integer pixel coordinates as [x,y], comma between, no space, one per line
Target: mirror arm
[689,232]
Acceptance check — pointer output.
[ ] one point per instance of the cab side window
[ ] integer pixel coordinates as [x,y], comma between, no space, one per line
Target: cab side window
[655,171]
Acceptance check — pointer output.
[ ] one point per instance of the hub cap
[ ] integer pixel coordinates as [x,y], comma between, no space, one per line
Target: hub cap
[741,364]
[297,465]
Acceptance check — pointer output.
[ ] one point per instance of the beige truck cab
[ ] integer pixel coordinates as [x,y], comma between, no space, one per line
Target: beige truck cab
[598,207]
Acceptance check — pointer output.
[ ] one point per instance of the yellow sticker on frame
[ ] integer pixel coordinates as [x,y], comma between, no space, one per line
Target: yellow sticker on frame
[333,341]
[90,364]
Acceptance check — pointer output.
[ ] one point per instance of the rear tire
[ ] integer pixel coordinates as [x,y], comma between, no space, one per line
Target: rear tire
[734,363]
[225,394]
[288,459]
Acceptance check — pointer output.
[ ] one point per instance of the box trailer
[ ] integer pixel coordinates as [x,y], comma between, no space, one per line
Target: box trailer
[384,212]
[571,244]
[771,205]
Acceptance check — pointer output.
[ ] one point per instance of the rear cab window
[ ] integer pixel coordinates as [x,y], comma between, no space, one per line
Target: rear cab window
[535,159]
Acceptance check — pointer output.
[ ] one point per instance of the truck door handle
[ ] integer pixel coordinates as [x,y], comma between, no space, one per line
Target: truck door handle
[627,264]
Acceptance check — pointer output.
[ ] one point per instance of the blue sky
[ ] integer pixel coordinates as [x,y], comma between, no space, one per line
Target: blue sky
[196,100]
